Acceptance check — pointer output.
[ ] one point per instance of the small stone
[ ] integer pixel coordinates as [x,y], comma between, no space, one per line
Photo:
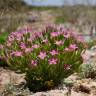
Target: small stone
[9,77]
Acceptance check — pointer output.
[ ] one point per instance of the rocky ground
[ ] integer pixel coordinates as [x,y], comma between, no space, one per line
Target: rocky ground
[12,84]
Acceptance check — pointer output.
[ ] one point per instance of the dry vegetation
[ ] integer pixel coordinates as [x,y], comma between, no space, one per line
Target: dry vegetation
[11,12]
[73,13]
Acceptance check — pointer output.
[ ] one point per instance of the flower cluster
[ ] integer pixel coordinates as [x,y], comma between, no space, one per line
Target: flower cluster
[50,55]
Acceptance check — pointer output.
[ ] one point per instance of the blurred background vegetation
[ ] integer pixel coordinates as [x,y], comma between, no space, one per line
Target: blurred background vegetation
[10,18]
[13,14]
[11,4]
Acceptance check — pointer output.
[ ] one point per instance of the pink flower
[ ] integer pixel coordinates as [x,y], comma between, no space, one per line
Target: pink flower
[37,34]
[35,46]
[28,50]
[55,34]
[42,55]
[59,42]
[18,38]
[33,63]
[67,49]
[53,61]
[53,52]
[67,35]
[1,46]
[11,38]
[73,46]
[80,38]
[17,54]
[22,45]
[67,66]
[45,41]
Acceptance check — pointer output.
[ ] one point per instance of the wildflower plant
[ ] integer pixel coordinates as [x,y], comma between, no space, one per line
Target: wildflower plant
[46,57]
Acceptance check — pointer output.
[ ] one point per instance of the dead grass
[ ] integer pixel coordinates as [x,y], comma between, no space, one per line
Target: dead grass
[73,13]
